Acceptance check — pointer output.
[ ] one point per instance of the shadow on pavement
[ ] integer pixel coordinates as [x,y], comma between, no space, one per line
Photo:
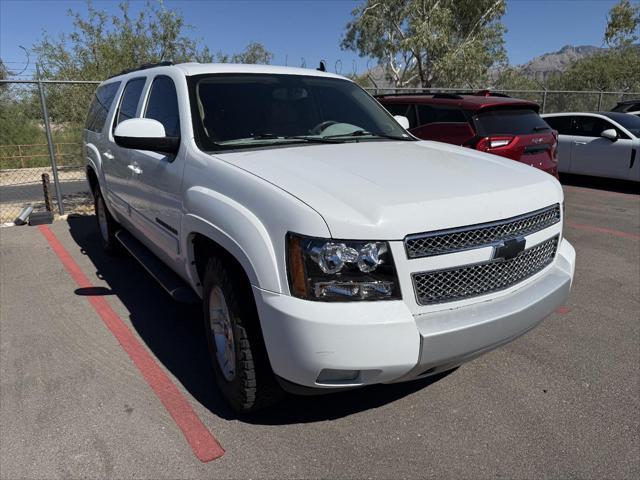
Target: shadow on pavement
[608,184]
[174,334]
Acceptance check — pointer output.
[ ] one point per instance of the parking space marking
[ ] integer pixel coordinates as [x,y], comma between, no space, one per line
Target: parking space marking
[199,438]
[608,231]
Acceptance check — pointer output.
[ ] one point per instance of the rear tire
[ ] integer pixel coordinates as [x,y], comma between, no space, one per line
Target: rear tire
[236,347]
[107,225]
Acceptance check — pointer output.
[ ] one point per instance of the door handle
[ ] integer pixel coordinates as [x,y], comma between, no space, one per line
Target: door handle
[108,155]
[135,169]
[580,143]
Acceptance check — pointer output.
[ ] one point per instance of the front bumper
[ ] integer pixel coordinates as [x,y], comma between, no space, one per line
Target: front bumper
[386,343]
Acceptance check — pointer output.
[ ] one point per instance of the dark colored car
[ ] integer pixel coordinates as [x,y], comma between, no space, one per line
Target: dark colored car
[628,106]
[488,122]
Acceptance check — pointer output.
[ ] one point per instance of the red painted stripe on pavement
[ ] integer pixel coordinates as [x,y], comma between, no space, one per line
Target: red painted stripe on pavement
[201,441]
[608,231]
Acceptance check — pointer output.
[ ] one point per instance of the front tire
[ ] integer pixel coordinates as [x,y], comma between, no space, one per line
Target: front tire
[236,347]
[107,225]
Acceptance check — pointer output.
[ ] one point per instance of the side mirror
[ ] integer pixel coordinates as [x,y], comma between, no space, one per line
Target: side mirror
[145,134]
[403,121]
[610,133]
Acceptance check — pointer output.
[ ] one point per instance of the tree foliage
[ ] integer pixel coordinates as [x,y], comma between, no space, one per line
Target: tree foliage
[623,25]
[16,126]
[429,42]
[254,52]
[512,78]
[103,44]
[611,70]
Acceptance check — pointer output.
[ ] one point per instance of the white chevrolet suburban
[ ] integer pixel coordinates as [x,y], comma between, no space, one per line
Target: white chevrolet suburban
[329,247]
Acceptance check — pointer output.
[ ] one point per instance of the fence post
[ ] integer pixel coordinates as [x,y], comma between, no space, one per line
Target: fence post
[544,100]
[47,128]
[20,155]
[600,101]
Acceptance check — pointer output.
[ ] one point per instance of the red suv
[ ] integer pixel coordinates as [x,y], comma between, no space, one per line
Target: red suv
[489,122]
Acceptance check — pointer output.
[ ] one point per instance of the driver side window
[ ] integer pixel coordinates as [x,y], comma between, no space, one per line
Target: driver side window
[594,126]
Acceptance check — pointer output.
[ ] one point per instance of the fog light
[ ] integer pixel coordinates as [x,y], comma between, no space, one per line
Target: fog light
[361,290]
[329,375]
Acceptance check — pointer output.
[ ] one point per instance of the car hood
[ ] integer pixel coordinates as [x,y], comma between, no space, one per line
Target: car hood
[385,190]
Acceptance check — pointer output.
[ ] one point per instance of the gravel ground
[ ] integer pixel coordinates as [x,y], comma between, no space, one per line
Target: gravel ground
[562,401]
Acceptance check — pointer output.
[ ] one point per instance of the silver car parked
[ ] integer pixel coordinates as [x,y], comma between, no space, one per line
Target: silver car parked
[605,144]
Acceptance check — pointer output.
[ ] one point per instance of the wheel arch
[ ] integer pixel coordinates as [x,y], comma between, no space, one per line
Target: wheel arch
[203,248]
[92,178]
[237,235]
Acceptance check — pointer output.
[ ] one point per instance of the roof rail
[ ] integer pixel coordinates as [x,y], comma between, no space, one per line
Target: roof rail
[144,66]
[417,94]
[450,95]
[489,93]
[401,94]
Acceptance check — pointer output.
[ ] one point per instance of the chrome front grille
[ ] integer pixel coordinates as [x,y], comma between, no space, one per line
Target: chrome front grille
[481,278]
[481,235]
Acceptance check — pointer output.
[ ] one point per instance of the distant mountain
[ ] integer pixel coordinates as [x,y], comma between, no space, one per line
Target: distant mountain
[541,67]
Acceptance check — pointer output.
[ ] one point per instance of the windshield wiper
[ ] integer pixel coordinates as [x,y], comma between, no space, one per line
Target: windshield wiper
[364,133]
[281,139]
[540,128]
[270,136]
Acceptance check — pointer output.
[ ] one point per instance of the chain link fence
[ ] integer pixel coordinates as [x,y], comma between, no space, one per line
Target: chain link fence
[41,161]
[34,143]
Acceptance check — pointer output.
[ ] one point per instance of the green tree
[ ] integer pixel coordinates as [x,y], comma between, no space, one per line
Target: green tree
[16,124]
[623,25]
[429,42]
[363,80]
[513,79]
[613,71]
[254,52]
[102,44]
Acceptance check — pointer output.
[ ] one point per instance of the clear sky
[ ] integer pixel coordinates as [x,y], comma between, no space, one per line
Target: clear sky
[309,29]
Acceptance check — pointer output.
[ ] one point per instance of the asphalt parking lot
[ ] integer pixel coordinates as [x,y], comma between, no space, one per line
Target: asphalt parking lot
[562,401]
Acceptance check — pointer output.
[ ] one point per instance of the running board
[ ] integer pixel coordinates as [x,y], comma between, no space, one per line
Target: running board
[177,289]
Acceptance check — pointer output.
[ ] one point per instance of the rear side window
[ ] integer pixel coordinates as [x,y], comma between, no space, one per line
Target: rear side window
[435,114]
[509,122]
[561,124]
[130,99]
[404,110]
[100,106]
[163,105]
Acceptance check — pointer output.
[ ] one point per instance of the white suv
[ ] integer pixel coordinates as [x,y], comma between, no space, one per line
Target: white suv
[330,248]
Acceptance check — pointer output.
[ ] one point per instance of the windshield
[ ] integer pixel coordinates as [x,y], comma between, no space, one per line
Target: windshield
[630,122]
[256,110]
[509,122]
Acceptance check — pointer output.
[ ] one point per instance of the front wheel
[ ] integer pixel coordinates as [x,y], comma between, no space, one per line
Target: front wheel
[107,225]
[236,348]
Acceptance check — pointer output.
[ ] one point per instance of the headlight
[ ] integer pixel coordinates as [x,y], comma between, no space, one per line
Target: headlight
[338,270]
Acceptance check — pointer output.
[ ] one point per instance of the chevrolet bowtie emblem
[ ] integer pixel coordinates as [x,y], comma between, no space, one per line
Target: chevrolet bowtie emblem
[509,249]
